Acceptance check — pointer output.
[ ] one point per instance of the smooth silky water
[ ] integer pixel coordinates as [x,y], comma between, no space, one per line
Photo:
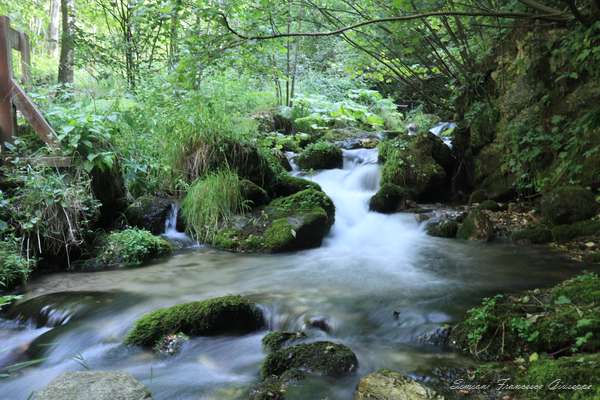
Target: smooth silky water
[378,279]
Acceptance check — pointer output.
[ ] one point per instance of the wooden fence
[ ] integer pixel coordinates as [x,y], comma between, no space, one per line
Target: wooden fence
[12,96]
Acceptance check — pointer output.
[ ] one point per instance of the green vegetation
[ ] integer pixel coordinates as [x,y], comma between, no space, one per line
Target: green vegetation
[14,268]
[132,247]
[274,341]
[221,315]
[212,202]
[320,155]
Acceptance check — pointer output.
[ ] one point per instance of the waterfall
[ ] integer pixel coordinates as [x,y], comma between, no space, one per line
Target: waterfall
[171,233]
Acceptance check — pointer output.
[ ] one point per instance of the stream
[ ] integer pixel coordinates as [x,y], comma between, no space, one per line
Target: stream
[378,280]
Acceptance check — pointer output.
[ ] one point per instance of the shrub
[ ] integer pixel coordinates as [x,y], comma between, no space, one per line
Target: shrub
[211,202]
[14,268]
[132,247]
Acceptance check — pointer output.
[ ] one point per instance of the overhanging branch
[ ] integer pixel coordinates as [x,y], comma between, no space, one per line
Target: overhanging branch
[555,17]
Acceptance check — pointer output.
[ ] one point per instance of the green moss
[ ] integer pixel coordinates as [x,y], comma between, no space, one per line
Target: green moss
[574,370]
[564,233]
[14,268]
[542,321]
[222,315]
[132,247]
[276,387]
[304,229]
[583,289]
[325,358]
[274,341]
[568,204]
[306,200]
[477,226]
[320,155]
[446,228]
[390,198]
[535,234]
[410,162]
[287,185]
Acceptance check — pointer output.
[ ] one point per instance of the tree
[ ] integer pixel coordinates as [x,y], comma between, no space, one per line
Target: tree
[67,45]
[52,35]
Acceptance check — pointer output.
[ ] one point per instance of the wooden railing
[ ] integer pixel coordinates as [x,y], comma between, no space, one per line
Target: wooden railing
[12,97]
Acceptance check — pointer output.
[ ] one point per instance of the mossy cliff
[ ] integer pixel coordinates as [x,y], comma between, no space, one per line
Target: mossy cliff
[533,123]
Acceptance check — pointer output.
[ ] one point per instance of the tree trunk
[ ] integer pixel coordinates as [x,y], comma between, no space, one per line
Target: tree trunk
[52,34]
[173,36]
[67,45]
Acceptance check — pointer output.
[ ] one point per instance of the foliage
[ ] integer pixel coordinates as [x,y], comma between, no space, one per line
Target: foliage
[132,247]
[14,268]
[52,210]
[212,201]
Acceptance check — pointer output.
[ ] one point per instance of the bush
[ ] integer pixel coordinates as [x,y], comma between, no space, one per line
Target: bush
[14,268]
[211,202]
[132,247]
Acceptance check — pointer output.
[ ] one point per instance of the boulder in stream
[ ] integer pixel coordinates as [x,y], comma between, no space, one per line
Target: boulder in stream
[445,228]
[390,198]
[221,315]
[390,385]
[477,226]
[94,385]
[274,341]
[321,155]
[149,213]
[321,358]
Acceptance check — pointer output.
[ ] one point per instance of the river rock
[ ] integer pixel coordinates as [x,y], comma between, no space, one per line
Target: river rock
[274,341]
[390,198]
[221,315]
[445,228]
[149,213]
[477,226]
[287,185]
[568,204]
[321,358]
[94,385]
[321,155]
[389,385]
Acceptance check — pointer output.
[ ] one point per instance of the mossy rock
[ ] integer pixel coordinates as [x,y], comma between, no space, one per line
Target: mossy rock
[477,226]
[568,204]
[131,247]
[303,230]
[222,315]
[489,205]
[274,341]
[445,228]
[575,378]
[320,155]
[390,385]
[390,198]
[499,186]
[321,358]
[286,185]
[543,321]
[149,213]
[410,163]
[535,234]
[564,233]
[478,196]
[305,200]
[253,193]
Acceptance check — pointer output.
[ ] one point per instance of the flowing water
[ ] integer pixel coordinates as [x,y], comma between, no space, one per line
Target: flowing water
[378,280]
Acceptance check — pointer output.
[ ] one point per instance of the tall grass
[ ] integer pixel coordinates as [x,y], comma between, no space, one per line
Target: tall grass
[211,202]
[14,268]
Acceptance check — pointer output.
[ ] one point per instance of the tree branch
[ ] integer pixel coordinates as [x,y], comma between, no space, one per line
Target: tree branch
[556,17]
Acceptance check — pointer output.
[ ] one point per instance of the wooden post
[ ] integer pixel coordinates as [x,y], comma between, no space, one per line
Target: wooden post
[25,57]
[7,112]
